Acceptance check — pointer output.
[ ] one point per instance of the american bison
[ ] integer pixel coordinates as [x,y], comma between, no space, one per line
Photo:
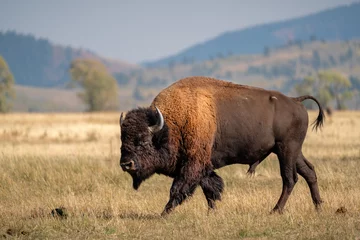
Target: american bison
[200,124]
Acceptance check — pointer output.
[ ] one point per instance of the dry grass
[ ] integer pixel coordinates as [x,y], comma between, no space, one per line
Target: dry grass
[50,161]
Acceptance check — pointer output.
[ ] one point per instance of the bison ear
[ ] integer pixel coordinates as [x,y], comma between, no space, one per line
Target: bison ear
[159,124]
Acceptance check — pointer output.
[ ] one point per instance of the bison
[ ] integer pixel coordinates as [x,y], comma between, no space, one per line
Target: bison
[200,124]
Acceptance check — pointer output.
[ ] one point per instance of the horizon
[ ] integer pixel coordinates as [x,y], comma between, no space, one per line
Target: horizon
[128,43]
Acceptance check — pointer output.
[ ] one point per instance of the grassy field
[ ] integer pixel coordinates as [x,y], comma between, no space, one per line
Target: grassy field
[71,161]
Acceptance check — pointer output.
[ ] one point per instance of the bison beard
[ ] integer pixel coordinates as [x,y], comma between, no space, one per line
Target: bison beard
[201,124]
[136,181]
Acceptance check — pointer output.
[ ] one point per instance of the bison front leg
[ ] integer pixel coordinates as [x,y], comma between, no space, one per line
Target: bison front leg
[190,176]
[212,186]
[195,161]
[181,189]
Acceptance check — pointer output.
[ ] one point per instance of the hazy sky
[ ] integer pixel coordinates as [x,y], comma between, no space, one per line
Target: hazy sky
[138,30]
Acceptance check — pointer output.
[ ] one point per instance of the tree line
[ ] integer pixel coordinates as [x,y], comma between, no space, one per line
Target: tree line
[7,81]
[99,89]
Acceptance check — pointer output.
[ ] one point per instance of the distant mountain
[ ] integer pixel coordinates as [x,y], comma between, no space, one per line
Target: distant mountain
[339,23]
[38,62]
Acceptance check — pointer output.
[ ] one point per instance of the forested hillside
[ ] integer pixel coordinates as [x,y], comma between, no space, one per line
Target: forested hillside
[38,62]
[279,69]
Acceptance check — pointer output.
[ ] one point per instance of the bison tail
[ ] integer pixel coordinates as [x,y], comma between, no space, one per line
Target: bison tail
[318,123]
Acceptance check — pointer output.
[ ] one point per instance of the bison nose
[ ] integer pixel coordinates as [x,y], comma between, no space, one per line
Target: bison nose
[128,165]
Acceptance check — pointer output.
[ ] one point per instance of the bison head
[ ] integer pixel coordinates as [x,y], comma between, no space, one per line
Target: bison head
[143,132]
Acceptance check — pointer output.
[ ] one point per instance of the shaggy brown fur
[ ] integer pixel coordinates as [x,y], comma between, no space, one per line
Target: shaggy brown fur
[209,124]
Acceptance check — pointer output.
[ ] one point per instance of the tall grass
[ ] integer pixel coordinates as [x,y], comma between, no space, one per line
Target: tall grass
[71,162]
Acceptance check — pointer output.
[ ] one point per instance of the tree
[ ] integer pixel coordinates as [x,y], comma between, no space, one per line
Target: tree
[266,51]
[316,59]
[313,38]
[306,88]
[327,86]
[355,87]
[338,87]
[6,86]
[122,78]
[100,90]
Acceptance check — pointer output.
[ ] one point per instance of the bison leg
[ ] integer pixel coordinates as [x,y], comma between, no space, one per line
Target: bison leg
[195,162]
[212,186]
[191,174]
[287,155]
[252,168]
[307,171]
[180,190]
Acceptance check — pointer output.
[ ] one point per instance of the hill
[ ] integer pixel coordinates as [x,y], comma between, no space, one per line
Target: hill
[279,69]
[334,24]
[38,62]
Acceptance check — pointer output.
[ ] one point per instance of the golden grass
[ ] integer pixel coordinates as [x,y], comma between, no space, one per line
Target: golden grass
[49,161]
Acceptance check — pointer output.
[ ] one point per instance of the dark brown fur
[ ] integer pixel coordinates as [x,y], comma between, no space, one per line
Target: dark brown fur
[211,123]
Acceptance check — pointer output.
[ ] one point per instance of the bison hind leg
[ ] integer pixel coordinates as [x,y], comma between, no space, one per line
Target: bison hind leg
[252,167]
[212,186]
[307,171]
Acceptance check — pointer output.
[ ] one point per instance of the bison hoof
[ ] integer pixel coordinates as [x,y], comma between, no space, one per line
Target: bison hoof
[166,212]
[318,206]
[211,211]
[250,173]
[277,210]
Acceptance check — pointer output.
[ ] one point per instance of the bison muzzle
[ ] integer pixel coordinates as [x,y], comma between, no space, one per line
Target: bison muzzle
[200,124]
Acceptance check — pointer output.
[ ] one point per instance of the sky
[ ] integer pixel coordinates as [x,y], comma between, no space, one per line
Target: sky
[141,30]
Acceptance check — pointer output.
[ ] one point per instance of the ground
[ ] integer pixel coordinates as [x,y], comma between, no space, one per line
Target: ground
[60,179]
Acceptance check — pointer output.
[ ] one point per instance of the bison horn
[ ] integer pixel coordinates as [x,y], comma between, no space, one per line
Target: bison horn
[160,123]
[121,119]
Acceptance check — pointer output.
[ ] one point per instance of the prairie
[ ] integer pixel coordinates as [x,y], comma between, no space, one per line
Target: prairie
[71,162]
